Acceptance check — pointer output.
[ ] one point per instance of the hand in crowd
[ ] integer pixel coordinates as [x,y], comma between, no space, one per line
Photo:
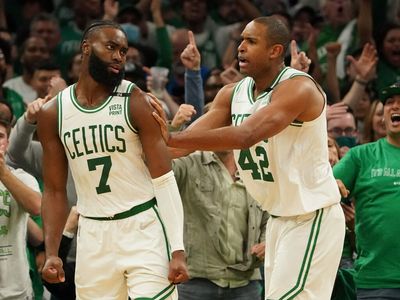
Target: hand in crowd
[34,108]
[259,250]
[365,66]
[178,271]
[344,192]
[333,49]
[190,56]
[349,212]
[231,74]
[299,60]
[336,110]
[57,84]
[183,115]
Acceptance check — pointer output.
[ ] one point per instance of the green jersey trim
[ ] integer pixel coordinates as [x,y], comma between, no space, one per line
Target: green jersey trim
[276,81]
[85,109]
[236,88]
[128,107]
[307,259]
[59,112]
[297,123]
[264,93]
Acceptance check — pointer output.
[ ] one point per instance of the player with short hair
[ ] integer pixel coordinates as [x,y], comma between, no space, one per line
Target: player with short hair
[279,139]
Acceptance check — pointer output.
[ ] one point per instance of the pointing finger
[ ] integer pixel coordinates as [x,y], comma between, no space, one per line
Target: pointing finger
[192,41]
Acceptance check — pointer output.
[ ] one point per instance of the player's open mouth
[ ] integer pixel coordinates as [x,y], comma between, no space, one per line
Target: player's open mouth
[242,61]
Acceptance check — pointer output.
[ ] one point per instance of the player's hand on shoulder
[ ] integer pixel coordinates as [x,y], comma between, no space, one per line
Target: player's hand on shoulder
[53,271]
[159,115]
[178,271]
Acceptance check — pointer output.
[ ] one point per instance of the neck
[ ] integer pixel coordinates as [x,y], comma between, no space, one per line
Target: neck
[89,92]
[265,81]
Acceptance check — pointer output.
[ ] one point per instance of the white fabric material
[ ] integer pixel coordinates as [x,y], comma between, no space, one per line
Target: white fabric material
[170,206]
[121,258]
[302,254]
[289,174]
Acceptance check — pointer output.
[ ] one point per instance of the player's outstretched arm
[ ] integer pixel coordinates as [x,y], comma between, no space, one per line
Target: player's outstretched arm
[54,201]
[297,98]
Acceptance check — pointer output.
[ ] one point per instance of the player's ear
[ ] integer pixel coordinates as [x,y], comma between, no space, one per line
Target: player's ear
[85,47]
[276,51]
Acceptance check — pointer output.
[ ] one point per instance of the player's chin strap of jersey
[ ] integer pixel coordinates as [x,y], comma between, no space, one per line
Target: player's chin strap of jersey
[170,206]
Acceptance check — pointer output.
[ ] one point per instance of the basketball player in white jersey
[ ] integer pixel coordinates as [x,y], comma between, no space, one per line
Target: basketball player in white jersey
[130,236]
[279,138]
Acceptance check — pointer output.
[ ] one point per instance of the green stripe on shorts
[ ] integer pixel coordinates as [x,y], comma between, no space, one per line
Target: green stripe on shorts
[307,259]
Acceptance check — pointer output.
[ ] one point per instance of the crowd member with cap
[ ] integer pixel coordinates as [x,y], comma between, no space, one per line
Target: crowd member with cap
[370,174]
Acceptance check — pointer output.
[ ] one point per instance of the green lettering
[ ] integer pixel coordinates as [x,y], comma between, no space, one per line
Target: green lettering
[68,135]
[122,147]
[76,141]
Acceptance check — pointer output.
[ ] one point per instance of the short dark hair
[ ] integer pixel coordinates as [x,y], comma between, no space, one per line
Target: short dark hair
[277,31]
[6,124]
[97,25]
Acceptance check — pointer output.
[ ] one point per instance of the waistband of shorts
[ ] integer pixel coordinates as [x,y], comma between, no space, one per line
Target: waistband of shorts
[128,213]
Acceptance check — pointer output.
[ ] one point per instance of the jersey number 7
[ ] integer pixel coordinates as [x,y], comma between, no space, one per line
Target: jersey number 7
[103,187]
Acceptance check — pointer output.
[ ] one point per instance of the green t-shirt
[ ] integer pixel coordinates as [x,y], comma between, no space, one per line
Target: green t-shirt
[16,102]
[372,173]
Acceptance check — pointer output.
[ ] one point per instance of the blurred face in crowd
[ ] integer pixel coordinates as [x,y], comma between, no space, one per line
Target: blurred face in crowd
[391,47]
[194,11]
[35,50]
[41,81]
[344,125]
[3,138]
[378,124]
[337,12]
[90,8]
[391,115]
[230,11]
[5,112]
[212,86]
[301,26]
[343,129]
[48,31]
[179,40]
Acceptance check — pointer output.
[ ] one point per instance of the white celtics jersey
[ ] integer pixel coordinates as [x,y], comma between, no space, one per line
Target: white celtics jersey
[104,153]
[288,174]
